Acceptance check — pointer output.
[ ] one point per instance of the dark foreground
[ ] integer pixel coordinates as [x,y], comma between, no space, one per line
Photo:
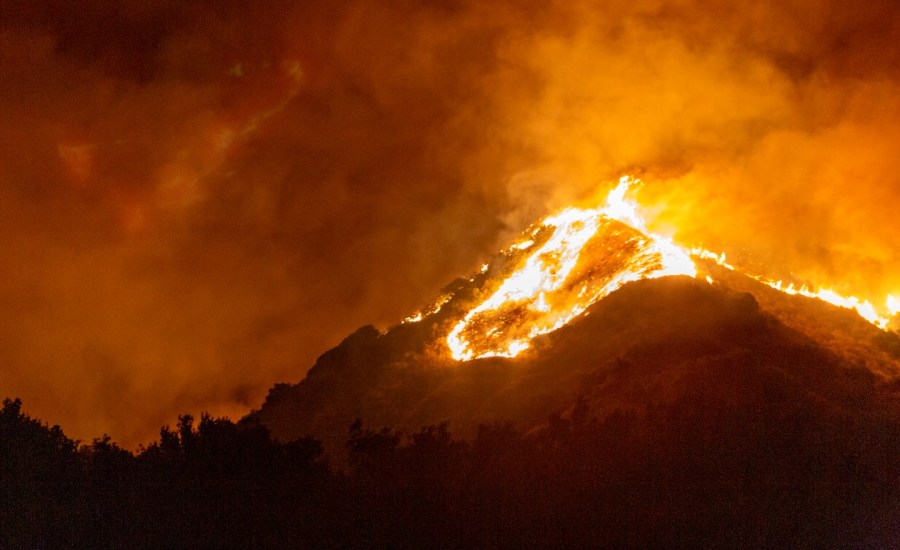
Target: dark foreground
[771,465]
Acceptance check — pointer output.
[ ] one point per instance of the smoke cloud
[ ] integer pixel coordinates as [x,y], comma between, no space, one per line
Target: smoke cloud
[198,198]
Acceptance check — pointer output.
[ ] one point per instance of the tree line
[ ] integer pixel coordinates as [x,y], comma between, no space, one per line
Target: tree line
[694,472]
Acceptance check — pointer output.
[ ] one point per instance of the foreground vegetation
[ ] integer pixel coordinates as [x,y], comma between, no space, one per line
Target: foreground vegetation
[779,467]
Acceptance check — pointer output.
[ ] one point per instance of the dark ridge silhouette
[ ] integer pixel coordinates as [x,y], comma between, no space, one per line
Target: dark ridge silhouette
[770,465]
[642,343]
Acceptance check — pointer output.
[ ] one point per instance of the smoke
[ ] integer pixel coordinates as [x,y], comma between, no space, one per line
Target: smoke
[769,133]
[199,199]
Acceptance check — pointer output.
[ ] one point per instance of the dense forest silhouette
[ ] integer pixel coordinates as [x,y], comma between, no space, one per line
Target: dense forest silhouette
[778,466]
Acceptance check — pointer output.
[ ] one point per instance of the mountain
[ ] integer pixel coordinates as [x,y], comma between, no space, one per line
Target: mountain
[587,309]
[671,413]
[595,399]
[650,343]
[704,411]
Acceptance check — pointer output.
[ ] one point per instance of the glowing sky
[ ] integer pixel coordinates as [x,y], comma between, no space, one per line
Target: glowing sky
[198,199]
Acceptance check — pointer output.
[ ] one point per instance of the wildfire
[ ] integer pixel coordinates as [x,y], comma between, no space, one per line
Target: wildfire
[430,310]
[588,254]
[864,308]
[574,258]
[893,305]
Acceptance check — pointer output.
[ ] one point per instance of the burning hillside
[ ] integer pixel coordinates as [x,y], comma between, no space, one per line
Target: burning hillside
[610,313]
[573,258]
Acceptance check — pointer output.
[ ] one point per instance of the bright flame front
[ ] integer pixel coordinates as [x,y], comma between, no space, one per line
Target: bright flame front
[588,254]
[578,256]
[893,305]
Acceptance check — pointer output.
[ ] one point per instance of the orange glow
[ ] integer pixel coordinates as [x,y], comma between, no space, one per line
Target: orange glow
[79,160]
[575,258]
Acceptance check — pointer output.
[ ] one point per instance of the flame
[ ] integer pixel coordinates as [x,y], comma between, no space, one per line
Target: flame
[576,257]
[864,308]
[893,305]
[433,308]
[589,253]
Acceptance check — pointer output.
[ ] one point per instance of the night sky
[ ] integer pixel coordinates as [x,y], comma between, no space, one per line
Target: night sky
[198,198]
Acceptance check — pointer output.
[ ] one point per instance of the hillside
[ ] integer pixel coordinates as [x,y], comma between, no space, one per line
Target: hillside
[651,343]
[673,413]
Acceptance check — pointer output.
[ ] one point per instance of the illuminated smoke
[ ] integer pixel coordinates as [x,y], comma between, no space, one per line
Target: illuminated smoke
[200,198]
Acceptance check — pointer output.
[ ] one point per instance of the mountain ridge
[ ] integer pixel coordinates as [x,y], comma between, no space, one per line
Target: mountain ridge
[641,345]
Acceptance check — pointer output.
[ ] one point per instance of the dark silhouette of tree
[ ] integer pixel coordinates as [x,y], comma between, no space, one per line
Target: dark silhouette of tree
[40,478]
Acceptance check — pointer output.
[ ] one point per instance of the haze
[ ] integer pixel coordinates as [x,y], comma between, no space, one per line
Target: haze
[197,199]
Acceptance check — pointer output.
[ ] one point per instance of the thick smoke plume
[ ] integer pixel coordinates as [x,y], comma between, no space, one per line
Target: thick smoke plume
[199,198]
